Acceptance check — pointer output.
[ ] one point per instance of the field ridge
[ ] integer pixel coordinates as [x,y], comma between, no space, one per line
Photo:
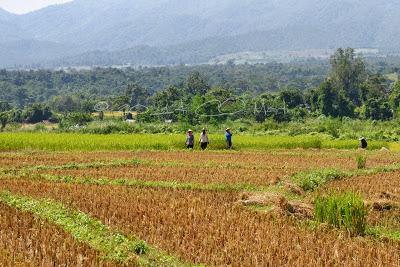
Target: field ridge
[114,246]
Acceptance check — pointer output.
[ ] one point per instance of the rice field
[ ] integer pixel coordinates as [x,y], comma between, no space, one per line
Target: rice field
[118,142]
[27,241]
[87,203]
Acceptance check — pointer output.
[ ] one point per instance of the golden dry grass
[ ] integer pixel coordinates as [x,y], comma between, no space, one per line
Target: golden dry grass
[28,159]
[208,227]
[211,227]
[27,241]
[12,259]
[259,169]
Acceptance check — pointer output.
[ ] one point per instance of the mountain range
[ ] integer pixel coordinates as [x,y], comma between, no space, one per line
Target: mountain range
[158,32]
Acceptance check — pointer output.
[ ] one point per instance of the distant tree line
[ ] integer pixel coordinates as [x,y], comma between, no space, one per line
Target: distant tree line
[349,90]
[199,94]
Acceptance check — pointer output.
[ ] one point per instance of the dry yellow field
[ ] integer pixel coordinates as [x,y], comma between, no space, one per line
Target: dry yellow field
[166,199]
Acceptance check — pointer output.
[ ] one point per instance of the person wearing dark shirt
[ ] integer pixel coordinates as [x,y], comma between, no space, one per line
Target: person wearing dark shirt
[190,139]
[363,143]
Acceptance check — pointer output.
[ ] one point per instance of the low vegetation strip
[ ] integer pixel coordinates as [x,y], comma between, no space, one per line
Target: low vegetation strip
[118,142]
[90,165]
[134,162]
[141,183]
[115,246]
[384,233]
[309,181]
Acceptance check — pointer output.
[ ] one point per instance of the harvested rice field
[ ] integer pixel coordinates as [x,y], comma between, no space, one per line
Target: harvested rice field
[192,208]
[28,241]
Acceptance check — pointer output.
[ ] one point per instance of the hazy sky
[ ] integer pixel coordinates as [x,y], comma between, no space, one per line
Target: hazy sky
[25,6]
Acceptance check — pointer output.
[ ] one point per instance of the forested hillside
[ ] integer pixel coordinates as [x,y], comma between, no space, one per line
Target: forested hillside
[22,88]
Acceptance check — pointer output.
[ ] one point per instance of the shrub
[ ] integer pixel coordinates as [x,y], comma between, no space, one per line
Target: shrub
[361,161]
[311,180]
[344,211]
[141,248]
[4,119]
[40,127]
[75,118]
[36,113]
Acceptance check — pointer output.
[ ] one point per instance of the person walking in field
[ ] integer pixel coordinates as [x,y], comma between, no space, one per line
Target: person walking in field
[363,143]
[190,139]
[228,136]
[204,139]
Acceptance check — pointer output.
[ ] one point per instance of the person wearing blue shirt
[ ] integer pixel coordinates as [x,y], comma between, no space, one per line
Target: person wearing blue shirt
[228,136]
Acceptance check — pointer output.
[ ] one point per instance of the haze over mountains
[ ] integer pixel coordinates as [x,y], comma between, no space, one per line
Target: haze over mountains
[105,32]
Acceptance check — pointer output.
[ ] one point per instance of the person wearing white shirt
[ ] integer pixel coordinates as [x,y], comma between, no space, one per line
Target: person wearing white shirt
[204,139]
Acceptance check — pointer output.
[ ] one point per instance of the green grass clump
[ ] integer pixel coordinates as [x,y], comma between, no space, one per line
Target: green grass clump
[383,232]
[361,162]
[344,211]
[309,181]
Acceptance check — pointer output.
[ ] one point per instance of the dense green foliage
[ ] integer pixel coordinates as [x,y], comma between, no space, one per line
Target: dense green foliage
[292,99]
[309,181]
[70,89]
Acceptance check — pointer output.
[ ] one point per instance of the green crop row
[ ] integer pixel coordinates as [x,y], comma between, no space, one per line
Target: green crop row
[116,142]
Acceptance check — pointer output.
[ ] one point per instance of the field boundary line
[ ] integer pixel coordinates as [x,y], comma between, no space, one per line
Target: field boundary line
[308,180]
[139,183]
[132,162]
[113,245]
[311,180]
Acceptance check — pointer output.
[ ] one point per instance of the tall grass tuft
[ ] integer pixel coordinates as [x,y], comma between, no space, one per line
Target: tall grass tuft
[361,162]
[309,181]
[344,211]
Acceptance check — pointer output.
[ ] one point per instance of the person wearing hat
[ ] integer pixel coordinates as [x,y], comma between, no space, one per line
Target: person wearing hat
[190,139]
[363,143]
[203,139]
[228,136]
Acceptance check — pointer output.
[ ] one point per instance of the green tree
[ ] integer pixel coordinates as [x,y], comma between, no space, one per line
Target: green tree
[167,97]
[394,98]
[333,102]
[4,119]
[326,99]
[4,106]
[196,84]
[377,109]
[292,97]
[348,73]
[75,118]
[65,103]
[36,113]
[376,86]
[21,96]
[137,94]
